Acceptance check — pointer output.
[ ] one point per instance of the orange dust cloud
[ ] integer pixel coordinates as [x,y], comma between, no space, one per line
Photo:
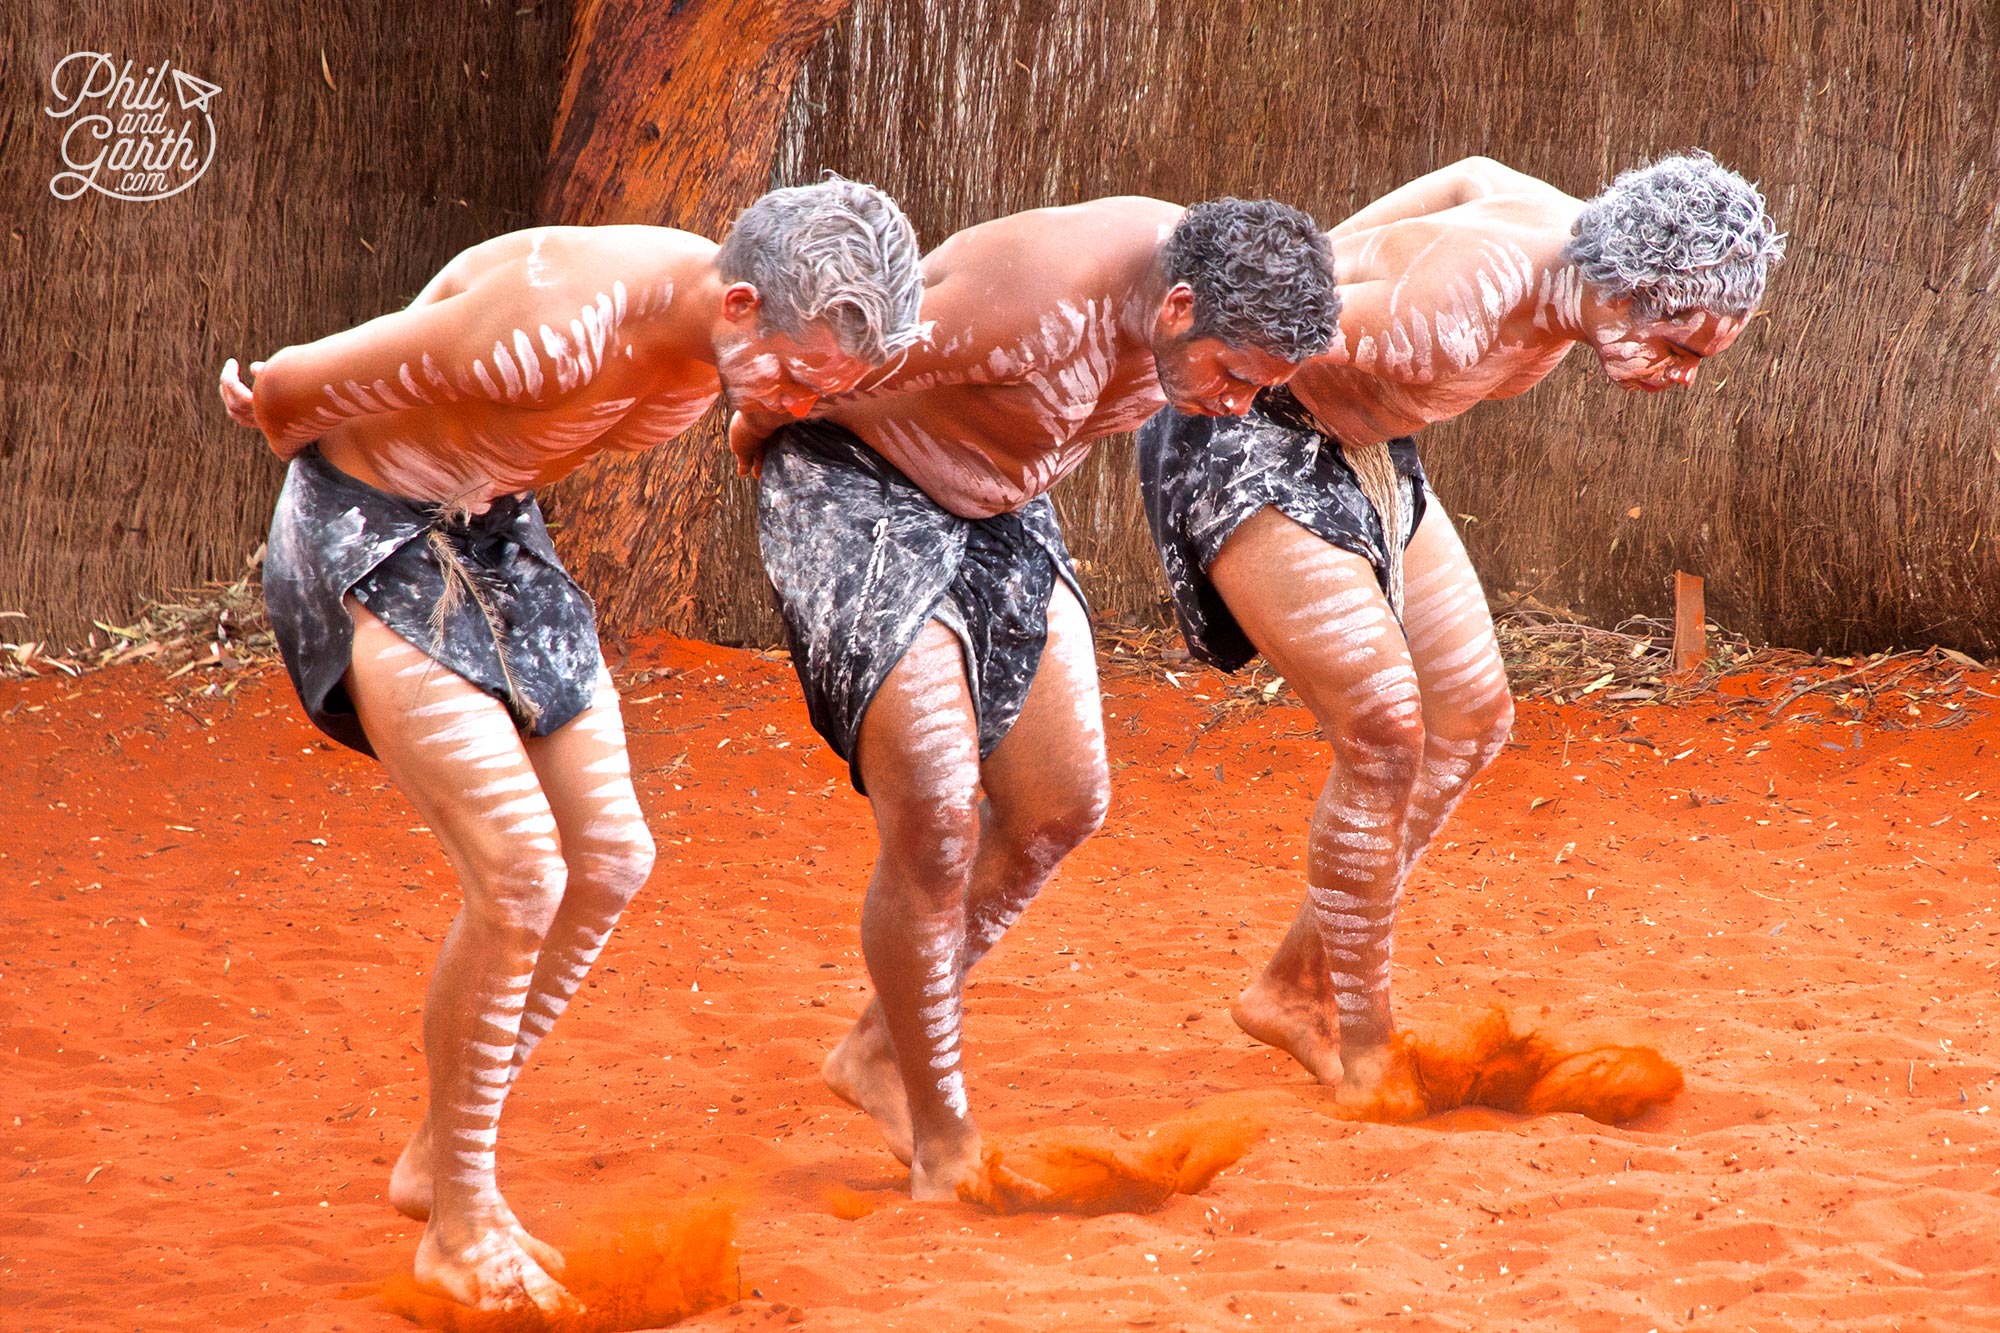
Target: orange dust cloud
[638,1272]
[848,1204]
[1484,1061]
[1093,1172]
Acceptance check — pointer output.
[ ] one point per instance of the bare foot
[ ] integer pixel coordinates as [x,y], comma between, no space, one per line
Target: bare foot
[862,1072]
[493,1272]
[410,1192]
[1365,1071]
[1297,1018]
[938,1172]
[543,1253]
[410,1178]
[1381,1087]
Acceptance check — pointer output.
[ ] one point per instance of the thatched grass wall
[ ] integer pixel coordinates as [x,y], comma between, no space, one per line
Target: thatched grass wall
[1836,478]
[337,188]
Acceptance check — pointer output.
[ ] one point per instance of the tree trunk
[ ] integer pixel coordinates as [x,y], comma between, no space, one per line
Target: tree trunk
[669,116]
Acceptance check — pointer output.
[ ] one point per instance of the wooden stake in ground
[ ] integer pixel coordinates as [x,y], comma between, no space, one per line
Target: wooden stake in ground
[1690,624]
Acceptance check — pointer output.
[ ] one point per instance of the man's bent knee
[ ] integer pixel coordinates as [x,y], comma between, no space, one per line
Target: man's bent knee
[1486,718]
[1055,828]
[929,840]
[616,865]
[1385,738]
[1083,816]
[520,897]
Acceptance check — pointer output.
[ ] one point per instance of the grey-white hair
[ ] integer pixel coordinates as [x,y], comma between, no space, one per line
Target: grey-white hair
[838,252]
[1684,233]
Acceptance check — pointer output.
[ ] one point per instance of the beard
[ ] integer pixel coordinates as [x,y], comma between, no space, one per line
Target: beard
[747,376]
[1176,384]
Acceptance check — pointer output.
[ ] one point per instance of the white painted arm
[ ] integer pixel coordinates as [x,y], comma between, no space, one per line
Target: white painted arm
[1422,329]
[498,341]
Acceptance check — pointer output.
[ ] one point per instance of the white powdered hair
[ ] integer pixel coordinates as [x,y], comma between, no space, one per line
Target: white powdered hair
[1683,233]
[838,252]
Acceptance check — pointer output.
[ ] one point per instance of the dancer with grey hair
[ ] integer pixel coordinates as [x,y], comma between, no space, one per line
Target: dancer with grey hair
[934,615]
[1306,531]
[425,619]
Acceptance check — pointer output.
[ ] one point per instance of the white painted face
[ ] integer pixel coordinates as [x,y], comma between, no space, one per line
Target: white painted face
[1649,355]
[776,372]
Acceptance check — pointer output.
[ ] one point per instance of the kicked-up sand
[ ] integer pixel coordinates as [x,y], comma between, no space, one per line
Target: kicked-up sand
[218,928]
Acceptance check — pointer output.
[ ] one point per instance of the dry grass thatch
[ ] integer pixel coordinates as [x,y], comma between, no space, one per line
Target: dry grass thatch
[1834,477]
[354,156]
[1834,481]
[208,640]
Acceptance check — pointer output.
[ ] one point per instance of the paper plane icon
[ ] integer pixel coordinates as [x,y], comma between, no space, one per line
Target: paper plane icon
[194,93]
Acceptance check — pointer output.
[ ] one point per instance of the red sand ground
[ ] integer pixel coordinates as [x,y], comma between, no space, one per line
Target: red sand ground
[217,931]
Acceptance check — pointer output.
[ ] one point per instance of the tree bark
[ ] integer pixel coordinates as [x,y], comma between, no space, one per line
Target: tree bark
[669,116]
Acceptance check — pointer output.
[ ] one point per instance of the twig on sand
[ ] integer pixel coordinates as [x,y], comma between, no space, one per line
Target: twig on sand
[221,624]
[221,630]
[1552,655]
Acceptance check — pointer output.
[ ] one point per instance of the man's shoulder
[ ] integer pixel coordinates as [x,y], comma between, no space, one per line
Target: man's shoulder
[1491,176]
[1537,209]
[1134,208]
[1531,223]
[560,260]
[1062,235]
[1107,226]
[554,273]
[622,250]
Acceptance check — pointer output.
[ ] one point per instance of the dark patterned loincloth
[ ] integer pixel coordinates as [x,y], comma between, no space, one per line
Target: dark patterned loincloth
[861,558]
[463,589]
[1201,477]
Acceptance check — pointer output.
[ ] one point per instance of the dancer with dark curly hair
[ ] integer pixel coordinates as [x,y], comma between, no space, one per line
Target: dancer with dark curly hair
[1305,530]
[934,616]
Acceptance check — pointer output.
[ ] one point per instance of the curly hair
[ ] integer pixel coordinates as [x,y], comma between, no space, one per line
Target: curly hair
[1684,233]
[837,252]
[1261,273]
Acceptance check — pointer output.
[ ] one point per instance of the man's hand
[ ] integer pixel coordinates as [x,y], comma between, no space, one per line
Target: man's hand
[747,440]
[237,398]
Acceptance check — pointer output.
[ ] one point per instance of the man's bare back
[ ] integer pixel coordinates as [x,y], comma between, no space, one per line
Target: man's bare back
[522,358]
[1454,290]
[1046,338]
